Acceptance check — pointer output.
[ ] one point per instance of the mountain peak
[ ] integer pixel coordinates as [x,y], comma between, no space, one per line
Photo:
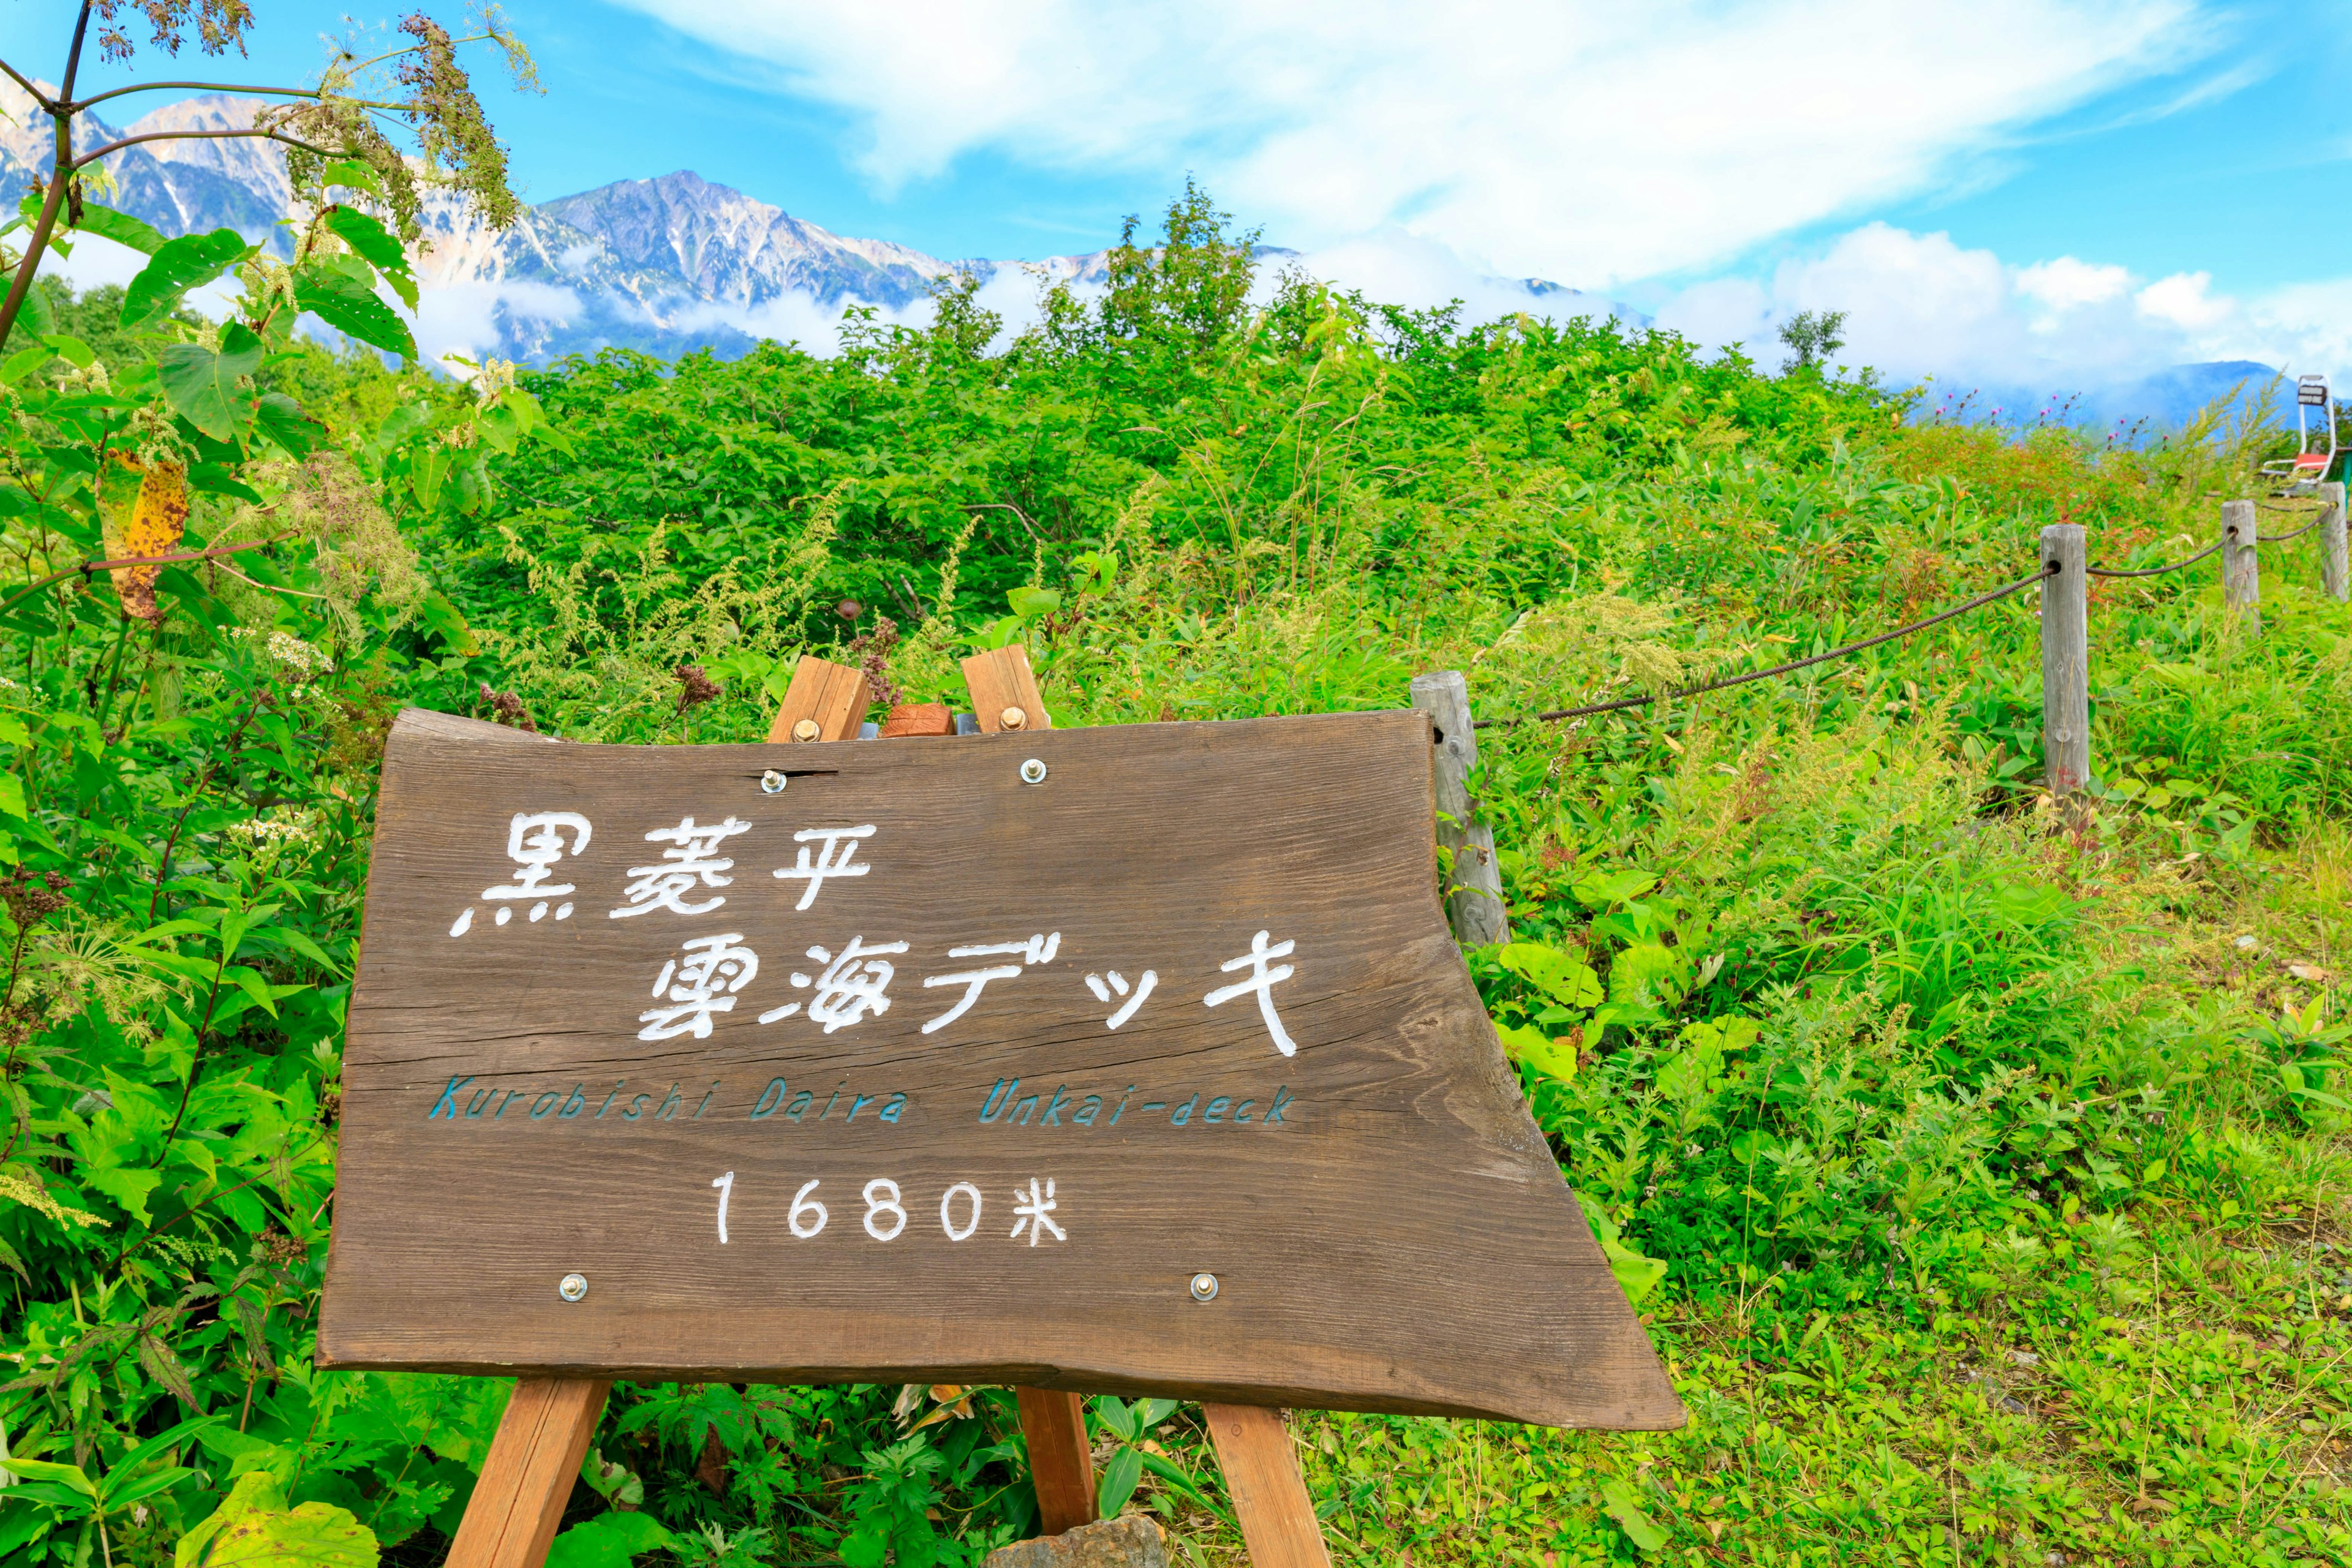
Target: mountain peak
[735,248]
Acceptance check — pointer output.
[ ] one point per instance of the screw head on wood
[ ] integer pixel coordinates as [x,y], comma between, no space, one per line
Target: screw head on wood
[1033,771]
[1204,1287]
[807,729]
[573,1286]
[1013,719]
[772,783]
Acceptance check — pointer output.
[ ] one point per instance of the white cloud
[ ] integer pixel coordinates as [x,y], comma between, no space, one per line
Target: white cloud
[1919,305]
[2066,282]
[2186,300]
[1590,140]
[465,318]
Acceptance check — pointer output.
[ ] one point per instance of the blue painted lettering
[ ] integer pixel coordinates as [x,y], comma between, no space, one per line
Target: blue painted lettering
[769,1098]
[999,1101]
[1053,1117]
[447,1104]
[1214,1112]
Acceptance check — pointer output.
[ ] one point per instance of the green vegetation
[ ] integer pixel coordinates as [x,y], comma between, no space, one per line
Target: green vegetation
[1980,1163]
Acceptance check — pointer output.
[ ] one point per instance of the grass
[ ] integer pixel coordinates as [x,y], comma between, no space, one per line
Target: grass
[1978,1158]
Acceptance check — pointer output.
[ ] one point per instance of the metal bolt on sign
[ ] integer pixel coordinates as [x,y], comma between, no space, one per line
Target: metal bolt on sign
[807,729]
[1033,771]
[573,1286]
[772,783]
[1204,1287]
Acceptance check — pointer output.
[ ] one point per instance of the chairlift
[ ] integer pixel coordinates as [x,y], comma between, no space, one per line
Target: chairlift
[2315,448]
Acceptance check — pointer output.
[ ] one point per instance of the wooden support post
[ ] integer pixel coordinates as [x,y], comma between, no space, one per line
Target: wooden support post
[2335,575]
[1003,691]
[1004,699]
[824,702]
[2241,570]
[1061,1464]
[1269,1492]
[528,1474]
[1474,898]
[2065,659]
[1262,1473]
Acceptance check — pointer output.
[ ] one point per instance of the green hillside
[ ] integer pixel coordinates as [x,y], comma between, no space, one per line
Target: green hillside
[1978,1160]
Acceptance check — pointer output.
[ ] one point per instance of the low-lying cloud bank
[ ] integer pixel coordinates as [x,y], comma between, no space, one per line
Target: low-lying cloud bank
[1920,308]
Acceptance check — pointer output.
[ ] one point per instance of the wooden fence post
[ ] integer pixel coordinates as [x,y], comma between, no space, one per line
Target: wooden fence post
[1474,898]
[2333,571]
[2241,569]
[2065,659]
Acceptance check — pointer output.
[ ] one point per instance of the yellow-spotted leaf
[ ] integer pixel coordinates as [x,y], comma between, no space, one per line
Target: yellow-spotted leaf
[158,520]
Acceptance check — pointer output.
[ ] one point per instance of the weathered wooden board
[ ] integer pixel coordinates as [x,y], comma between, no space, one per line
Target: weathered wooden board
[1342,1146]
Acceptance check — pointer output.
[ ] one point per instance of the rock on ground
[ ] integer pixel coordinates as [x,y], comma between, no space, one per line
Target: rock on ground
[1129,1542]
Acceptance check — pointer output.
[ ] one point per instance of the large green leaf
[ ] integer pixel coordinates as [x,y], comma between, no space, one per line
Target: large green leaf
[378,246]
[1119,1482]
[45,1471]
[609,1541]
[1618,1498]
[282,420]
[202,383]
[350,305]
[1636,1275]
[121,229]
[179,264]
[350,174]
[255,1529]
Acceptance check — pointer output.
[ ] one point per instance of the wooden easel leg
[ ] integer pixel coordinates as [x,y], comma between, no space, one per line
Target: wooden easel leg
[1269,1493]
[528,1474]
[1060,1462]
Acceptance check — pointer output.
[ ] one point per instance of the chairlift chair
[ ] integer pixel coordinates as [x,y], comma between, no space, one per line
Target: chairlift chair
[2315,448]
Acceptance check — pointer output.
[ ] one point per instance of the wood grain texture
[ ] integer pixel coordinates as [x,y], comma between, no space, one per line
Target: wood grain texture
[1061,1465]
[832,697]
[999,680]
[910,719]
[2065,659]
[2241,562]
[527,1476]
[1474,900]
[2335,564]
[1269,1493]
[1399,1238]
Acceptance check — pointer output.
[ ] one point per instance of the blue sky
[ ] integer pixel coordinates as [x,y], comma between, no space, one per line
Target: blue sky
[2040,186]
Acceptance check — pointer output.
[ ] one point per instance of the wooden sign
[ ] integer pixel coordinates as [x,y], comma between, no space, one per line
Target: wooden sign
[1132,1059]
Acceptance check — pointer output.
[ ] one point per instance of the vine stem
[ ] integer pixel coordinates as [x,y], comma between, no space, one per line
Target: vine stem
[61,172]
[91,568]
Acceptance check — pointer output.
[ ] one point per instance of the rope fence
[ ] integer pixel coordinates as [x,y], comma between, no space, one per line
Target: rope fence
[2239,591]
[1980,602]
[1474,893]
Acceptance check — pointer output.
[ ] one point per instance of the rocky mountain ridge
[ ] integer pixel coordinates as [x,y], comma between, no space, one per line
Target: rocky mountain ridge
[667,265]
